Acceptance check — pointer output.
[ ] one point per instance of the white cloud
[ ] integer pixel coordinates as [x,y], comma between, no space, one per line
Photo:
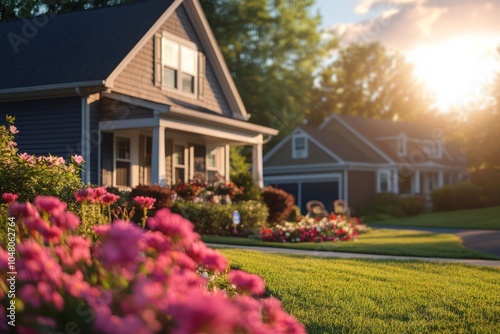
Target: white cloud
[402,24]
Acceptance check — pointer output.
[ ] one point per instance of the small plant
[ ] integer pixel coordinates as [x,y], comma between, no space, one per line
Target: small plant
[162,195]
[28,175]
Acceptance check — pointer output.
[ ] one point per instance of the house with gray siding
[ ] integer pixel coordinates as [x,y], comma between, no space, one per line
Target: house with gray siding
[354,158]
[140,90]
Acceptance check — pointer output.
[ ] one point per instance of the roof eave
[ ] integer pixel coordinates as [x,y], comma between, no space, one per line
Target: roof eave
[56,89]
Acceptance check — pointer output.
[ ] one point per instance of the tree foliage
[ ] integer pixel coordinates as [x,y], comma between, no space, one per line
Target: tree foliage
[367,80]
[12,9]
[272,48]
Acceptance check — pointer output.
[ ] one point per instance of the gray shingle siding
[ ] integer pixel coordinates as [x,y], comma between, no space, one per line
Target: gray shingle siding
[50,126]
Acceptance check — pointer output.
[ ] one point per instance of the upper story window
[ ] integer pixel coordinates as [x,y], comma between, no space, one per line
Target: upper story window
[432,149]
[300,146]
[179,65]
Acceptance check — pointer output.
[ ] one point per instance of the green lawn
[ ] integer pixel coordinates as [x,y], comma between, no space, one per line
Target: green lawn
[387,242]
[488,219]
[374,296]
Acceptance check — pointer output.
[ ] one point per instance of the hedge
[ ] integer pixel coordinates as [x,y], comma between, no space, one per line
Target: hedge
[216,219]
[461,196]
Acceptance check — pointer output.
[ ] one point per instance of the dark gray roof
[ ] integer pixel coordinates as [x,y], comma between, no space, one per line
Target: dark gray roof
[77,46]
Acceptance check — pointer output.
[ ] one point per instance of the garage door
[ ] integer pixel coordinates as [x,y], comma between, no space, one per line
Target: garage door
[326,192]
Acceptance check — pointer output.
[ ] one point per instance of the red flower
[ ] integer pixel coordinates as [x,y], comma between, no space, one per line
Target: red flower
[9,197]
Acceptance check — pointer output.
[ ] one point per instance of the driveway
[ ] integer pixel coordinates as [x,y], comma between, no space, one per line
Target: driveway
[487,241]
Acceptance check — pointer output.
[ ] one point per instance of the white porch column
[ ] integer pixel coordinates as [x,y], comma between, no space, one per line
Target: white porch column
[158,156]
[440,179]
[416,182]
[257,168]
[395,181]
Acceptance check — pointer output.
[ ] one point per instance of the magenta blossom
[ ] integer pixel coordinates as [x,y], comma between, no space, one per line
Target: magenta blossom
[145,202]
[246,282]
[50,204]
[77,159]
[9,197]
[85,195]
[109,199]
[121,242]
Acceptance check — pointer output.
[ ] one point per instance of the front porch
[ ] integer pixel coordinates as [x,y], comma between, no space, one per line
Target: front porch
[174,146]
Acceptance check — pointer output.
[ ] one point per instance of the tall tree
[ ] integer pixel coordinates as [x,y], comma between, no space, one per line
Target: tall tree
[12,9]
[367,80]
[272,48]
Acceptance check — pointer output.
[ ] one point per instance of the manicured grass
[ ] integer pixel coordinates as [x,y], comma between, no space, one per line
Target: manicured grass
[374,296]
[383,241]
[487,219]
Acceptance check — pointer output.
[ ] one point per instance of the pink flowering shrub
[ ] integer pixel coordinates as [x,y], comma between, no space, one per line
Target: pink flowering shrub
[310,229]
[132,281]
[28,175]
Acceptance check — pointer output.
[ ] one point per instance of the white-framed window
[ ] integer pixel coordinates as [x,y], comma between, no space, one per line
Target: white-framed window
[180,62]
[384,181]
[300,146]
[432,149]
[214,164]
[122,162]
[402,150]
[180,162]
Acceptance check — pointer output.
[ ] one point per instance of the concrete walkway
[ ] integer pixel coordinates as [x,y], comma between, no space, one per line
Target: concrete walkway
[342,255]
[487,241]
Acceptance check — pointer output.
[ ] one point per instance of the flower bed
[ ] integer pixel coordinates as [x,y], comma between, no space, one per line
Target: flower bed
[159,280]
[309,229]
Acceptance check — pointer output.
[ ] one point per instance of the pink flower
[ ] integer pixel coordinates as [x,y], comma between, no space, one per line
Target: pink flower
[60,161]
[174,226]
[145,202]
[246,282]
[121,243]
[211,259]
[50,204]
[99,193]
[28,158]
[65,220]
[13,129]
[200,312]
[9,197]
[77,159]
[109,199]
[23,210]
[85,195]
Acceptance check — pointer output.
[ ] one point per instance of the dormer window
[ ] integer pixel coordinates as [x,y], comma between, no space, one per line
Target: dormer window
[432,149]
[299,146]
[179,65]
[402,145]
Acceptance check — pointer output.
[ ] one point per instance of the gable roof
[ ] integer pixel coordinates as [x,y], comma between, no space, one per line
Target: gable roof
[377,132]
[73,47]
[355,139]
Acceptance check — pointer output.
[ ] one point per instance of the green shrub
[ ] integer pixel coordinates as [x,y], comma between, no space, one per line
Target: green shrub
[465,195]
[241,177]
[413,205]
[216,219]
[163,195]
[489,181]
[279,202]
[396,206]
[29,176]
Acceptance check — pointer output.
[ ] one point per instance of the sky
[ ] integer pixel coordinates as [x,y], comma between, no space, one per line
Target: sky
[453,44]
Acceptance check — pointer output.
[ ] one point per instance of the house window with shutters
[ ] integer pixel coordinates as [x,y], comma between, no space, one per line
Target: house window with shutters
[179,65]
[299,146]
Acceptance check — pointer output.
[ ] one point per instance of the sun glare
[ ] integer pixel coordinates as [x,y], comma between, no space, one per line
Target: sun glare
[456,69]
